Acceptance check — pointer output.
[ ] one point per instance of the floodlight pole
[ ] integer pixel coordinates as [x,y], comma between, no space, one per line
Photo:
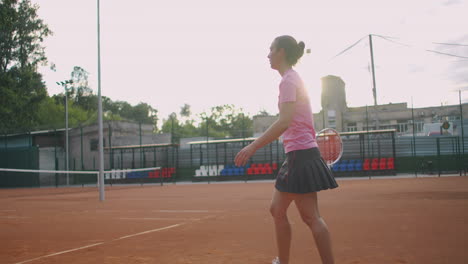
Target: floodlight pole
[374,88]
[66,135]
[461,122]
[101,143]
[67,163]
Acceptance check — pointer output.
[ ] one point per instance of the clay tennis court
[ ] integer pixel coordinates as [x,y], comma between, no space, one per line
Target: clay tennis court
[400,220]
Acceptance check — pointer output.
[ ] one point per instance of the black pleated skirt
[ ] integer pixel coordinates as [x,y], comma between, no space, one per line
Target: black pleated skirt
[304,171]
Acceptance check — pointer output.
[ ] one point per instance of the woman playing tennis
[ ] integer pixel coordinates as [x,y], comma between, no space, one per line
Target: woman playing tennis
[304,172]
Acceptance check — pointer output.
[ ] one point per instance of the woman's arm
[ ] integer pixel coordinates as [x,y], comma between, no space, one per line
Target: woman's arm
[272,133]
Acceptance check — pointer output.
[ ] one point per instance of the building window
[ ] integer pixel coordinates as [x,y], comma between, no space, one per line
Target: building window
[94,144]
[332,119]
[453,118]
[351,127]
[419,127]
[402,126]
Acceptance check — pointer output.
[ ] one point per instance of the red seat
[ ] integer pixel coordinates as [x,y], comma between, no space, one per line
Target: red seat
[366,165]
[254,165]
[263,170]
[274,166]
[250,171]
[390,164]
[266,165]
[383,164]
[375,164]
[257,170]
[269,170]
[260,165]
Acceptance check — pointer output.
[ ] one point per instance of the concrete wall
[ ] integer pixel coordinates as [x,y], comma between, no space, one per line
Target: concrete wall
[119,134]
[47,162]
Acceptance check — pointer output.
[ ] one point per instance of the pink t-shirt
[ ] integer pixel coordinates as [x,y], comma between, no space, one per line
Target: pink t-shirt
[300,133]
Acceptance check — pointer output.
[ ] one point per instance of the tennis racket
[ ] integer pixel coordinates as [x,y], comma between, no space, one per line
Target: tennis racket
[330,145]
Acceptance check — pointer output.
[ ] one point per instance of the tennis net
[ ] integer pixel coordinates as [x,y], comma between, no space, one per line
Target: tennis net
[17,178]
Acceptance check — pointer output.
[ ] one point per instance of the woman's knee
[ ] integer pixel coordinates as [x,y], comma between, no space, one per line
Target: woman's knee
[315,222]
[277,212]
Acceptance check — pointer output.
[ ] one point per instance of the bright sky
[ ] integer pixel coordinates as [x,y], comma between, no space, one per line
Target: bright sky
[211,52]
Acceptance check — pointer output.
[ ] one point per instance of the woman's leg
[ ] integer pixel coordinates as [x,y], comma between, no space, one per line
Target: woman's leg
[278,209]
[308,208]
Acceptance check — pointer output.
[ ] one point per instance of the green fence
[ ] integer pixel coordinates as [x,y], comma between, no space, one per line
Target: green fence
[19,158]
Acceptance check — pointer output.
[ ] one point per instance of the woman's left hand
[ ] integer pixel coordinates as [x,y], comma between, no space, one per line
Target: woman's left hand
[244,155]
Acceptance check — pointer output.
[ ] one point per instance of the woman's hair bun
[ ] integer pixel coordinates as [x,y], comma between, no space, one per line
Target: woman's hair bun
[300,49]
[293,49]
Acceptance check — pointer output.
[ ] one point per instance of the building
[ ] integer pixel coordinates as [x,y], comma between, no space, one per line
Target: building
[336,114]
[83,145]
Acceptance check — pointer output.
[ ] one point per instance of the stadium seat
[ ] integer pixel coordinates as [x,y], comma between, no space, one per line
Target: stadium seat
[366,165]
[274,166]
[351,165]
[390,164]
[383,164]
[343,165]
[250,171]
[358,165]
[375,164]
[336,166]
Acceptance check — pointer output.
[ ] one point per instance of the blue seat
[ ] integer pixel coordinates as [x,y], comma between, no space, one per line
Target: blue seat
[351,165]
[336,166]
[358,165]
[343,165]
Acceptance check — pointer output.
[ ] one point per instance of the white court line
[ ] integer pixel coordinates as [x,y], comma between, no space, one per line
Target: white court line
[188,211]
[14,217]
[157,218]
[97,244]
[60,253]
[150,231]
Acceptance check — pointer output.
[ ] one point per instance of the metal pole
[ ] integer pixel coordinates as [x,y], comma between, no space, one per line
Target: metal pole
[82,161]
[101,143]
[414,138]
[207,150]
[367,122]
[374,88]
[462,129]
[66,135]
[439,162]
[141,154]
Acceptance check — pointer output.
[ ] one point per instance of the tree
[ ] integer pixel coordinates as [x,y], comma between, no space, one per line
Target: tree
[185,111]
[80,91]
[225,121]
[21,35]
[263,112]
[21,92]
[21,86]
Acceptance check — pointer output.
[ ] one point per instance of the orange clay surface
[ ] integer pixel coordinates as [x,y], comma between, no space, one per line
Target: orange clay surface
[378,221]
